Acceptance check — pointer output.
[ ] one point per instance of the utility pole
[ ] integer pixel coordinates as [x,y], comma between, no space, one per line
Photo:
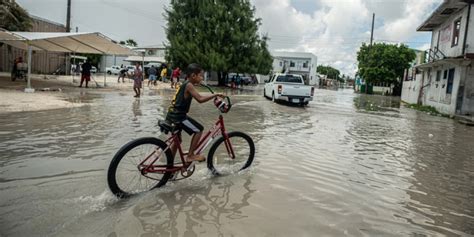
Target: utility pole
[370,47]
[68,16]
[372,31]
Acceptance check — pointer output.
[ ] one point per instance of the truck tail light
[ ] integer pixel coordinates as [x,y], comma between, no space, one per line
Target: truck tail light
[280,88]
[312,91]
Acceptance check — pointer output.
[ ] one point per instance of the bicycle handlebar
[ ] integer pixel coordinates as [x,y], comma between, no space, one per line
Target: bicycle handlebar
[229,103]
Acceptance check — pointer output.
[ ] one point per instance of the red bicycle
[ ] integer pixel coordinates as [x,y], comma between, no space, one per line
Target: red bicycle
[147,163]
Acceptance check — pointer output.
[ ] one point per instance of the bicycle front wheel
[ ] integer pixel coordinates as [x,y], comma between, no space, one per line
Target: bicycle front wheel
[129,171]
[231,155]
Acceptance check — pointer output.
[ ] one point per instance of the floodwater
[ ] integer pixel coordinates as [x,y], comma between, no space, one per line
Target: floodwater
[345,165]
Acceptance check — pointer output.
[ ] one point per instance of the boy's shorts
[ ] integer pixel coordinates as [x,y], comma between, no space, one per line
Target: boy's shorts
[191,126]
[152,78]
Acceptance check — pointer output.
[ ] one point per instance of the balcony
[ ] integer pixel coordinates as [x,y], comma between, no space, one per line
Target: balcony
[434,54]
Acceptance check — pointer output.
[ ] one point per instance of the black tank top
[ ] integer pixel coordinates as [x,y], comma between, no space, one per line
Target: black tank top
[179,105]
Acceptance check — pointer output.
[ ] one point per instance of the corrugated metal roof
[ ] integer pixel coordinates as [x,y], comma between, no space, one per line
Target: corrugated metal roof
[90,42]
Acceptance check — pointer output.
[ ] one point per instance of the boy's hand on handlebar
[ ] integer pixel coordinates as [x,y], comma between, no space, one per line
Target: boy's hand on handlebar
[219,95]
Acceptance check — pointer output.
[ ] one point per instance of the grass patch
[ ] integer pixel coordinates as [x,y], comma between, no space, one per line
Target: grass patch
[427,109]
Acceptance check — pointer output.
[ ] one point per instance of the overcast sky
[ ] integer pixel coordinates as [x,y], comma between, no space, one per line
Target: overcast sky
[331,29]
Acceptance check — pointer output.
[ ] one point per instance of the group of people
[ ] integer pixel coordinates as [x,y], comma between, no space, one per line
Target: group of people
[162,74]
[153,73]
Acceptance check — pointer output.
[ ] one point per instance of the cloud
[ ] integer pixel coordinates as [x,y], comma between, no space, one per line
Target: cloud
[337,28]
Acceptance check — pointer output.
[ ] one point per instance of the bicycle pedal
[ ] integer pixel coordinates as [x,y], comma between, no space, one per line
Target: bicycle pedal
[173,177]
[191,166]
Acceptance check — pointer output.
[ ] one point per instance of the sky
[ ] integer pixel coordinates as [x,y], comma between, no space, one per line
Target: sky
[333,30]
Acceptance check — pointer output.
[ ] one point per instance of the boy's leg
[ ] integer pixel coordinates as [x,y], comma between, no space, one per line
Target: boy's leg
[191,126]
[194,142]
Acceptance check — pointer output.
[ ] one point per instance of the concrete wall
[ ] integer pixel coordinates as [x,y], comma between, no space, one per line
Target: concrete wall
[443,36]
[470,33]
[468,99]
[436,95]
[112,60]
[411,90]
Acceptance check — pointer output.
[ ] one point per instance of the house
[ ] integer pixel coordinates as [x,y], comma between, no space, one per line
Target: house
[298,63]
[412,79]
[446,80]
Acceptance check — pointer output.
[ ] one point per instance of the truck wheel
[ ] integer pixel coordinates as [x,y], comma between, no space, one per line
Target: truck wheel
[109,72]
[273,96]
[264,95]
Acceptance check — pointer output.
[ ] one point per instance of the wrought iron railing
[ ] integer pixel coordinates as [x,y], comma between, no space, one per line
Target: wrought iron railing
[434,55]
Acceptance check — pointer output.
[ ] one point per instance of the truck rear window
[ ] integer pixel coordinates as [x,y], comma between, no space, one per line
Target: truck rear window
[289,78]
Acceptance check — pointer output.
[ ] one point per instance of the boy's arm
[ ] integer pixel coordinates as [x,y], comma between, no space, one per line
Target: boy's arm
[195,94]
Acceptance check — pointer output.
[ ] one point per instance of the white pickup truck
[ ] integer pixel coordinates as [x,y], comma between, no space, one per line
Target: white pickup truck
[113,70]
[288,87]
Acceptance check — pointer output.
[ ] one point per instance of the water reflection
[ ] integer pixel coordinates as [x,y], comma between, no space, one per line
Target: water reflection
[196,209]
[377,103]
[442,168]
[136,108]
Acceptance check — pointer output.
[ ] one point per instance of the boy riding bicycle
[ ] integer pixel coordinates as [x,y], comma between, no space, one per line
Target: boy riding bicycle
[177,112]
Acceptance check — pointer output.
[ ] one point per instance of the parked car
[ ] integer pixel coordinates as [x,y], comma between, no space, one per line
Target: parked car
[113,70]
[288,87]
[246,80]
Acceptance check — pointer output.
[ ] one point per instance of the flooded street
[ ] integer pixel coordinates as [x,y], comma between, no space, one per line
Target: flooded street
[347,164]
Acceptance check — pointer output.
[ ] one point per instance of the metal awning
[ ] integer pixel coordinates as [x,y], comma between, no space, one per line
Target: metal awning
[94,43]
[90,42]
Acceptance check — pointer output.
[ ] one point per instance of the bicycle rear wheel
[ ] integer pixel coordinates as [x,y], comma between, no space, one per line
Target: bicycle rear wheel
[126,176]
[220,160]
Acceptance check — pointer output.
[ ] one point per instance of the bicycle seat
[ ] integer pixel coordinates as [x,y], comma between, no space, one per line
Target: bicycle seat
[167,126]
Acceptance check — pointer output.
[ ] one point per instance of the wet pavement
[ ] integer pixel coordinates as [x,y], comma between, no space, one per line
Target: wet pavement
[347,164]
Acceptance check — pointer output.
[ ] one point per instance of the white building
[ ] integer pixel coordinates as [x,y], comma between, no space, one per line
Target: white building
[298,63]
[446,81]
[153,54]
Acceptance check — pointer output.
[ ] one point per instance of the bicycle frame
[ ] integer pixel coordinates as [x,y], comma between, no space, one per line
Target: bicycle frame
[175,139]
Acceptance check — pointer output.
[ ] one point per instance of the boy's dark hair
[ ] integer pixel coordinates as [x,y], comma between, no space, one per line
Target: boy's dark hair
[193,68]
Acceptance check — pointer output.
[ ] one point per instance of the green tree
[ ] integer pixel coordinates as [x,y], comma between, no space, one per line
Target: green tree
[384,63]
[329,71]
[220,35]
[129,42]
[13,17]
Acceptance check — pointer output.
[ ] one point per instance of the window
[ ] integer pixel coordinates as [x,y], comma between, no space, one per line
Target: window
[289,78]
[449,88]
[305,64]
[281,63]
[438,75]
[292,64]
[456,30]
[445,76]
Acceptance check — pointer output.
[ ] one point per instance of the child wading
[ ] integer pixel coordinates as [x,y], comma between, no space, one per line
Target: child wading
[179,108]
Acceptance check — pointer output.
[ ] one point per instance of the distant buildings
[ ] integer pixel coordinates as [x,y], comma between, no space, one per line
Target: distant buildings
[298,63]
[152,54]
[446,80]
